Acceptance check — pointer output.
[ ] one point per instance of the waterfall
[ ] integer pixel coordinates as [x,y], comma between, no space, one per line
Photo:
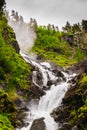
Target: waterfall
[51,99]
[25,34]
[59,83]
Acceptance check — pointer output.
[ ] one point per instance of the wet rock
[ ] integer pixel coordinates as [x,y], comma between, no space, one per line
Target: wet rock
[69,70]
[21,119]
[60,114]
[37,78]
[38,124]
[39,57]
[75,128]
[50,82]
[36,92]
[59,74]
[15,45]
[65,126]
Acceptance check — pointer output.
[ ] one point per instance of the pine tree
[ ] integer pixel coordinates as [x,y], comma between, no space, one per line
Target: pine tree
[67,27]
[84,25]
[2,4]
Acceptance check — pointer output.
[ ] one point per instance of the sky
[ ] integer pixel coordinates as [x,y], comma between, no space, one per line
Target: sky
[55,12]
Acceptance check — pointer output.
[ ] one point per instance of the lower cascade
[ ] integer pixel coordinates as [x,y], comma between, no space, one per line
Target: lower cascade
[55,85]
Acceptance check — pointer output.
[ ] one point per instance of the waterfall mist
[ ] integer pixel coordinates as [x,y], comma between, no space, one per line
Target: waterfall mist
[25,32]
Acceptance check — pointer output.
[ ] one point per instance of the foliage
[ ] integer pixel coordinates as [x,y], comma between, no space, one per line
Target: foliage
[83,80]
[67,27]
[50,46]
[5,124]
[14,74]
[6,110]
[79,114]
[79,55]
[84,25]
[14,70]
[76,28]
[2,3]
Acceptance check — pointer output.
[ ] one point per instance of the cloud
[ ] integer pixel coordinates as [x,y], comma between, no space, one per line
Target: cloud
[51,11]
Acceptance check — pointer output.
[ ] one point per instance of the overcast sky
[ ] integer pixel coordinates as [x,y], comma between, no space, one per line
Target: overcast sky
[50,11]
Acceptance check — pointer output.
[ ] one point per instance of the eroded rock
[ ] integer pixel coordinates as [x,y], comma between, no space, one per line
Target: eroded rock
[65,126]
[38,124]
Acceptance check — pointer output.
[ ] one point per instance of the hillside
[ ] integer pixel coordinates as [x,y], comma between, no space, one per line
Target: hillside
[54,45]
[66,49]
[14,74]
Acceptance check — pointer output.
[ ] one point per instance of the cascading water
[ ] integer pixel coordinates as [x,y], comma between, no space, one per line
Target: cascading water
[51,99]
[57,90]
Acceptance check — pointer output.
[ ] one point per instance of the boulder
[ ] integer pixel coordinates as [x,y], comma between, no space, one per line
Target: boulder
[65,126]
[75,128]
[35,92]
[50,82]
[15,45]
[38,124]
[81,67]
[59,74]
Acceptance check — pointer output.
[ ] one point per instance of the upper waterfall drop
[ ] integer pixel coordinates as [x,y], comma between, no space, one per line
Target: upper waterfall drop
[25,32]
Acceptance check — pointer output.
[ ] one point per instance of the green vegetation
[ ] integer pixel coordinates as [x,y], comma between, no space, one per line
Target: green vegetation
[2,4]
[5,124]
[14,74]
[6,110]
[14,70]
[79,114]
[50,46]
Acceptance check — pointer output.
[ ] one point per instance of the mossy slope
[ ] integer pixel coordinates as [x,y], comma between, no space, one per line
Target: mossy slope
[14,74]
[49,45]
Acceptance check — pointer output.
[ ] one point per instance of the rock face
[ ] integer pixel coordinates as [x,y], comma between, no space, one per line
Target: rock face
[81,67]
[78,39]
[13,42]
[36,92]
[15,45]
[65,126]
[74,108]
[38,124]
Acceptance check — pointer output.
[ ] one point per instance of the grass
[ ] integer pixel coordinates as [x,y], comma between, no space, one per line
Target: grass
[49,45]
[5,124]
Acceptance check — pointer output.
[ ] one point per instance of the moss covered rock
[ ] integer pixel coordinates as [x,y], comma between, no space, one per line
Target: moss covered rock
[14,75]
[74,108]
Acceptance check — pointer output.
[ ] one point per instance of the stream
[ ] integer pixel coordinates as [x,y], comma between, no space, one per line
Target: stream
[54,92]
[53,95]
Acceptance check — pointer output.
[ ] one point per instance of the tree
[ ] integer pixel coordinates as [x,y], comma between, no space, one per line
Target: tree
[84,25]
[76,28]
[2,4]
[67,27]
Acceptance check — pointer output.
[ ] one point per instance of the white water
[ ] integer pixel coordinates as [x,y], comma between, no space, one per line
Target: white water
[25,34]
[50,100]
[53,98]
